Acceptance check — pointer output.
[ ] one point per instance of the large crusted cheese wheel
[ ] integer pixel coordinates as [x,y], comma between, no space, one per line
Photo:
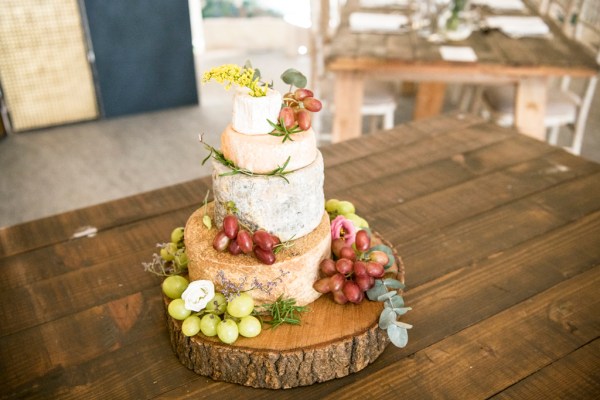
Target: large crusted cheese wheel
[264,153]
[292,275]
[250,114]
[289,208]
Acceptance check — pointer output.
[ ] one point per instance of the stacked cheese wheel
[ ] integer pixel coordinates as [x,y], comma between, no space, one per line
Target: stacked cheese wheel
[290,207]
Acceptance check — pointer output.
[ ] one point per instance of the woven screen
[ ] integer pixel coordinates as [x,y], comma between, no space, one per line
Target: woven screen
[44,71]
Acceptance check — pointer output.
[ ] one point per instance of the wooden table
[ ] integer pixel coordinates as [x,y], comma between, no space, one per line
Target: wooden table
[500,237]
[528,63]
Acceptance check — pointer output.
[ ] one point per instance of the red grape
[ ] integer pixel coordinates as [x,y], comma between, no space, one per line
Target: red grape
[312,104]
[234,248]
[375,270]
[360,268]
[343,265]
[352,292]
[221,241]
[336,282]
[328,267]
[263,239]
[364,282]
[264,256]
[231,226]
[322,285]
[348,252]
[339,297]
[303,118]
[287,115]
[379,257]
[362,241]
[275,240]
[244,240]
[337,245]
[301,94]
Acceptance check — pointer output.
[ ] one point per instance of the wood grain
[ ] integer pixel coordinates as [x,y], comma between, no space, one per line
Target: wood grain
[500,235]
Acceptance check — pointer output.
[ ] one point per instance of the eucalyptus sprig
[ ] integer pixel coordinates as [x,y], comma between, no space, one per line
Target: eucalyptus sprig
[393,307]
[280,130]
[283,311]
[220,157]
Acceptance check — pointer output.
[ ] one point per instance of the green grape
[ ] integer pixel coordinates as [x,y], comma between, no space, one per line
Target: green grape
[181,259]
[168,252]
[240,305]
[227,331]
[331,205]
[208,324]
[177,235]
[355,219]
[177,309]
[218,304]
[345,207]
[191,325]
[174,285]
[249,326]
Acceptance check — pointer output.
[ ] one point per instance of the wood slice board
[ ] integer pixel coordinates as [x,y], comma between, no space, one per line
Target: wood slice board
[332,341]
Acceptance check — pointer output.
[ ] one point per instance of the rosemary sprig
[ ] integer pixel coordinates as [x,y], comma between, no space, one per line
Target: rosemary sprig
[283,311]
[283,245]
[280,130]
[220,157]
[280,171]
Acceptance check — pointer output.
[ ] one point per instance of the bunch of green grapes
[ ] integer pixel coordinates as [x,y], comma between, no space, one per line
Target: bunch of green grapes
[224,319]
[335,207]
[174,251]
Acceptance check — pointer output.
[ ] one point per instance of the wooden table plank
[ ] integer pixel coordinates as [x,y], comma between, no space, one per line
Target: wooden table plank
[576,376]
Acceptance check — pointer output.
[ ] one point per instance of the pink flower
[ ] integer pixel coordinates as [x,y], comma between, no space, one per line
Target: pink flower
[343,228]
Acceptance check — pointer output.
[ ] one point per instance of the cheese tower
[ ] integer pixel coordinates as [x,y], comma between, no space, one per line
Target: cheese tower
[289,205]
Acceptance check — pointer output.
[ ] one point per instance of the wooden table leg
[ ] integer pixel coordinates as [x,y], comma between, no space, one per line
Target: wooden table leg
[348,100]
[429,100]
[530,107]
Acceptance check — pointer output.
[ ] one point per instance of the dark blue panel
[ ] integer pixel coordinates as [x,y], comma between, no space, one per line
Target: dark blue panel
[144,58]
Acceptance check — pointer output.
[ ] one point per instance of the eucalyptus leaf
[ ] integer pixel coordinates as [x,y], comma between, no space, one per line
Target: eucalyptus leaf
[396,301]
[387,318]
[398,335]
[401,310]
[387,296]
[393,283]
[293,77]
[377,290]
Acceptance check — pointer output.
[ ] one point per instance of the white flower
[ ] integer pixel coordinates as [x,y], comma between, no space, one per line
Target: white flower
[198,294]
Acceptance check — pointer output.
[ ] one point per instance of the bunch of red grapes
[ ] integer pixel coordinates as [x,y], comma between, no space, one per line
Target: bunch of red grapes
[237,241]
[297,108]
[353,273]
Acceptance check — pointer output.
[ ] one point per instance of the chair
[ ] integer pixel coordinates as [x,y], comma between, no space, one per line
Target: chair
[569,104]
[379,102]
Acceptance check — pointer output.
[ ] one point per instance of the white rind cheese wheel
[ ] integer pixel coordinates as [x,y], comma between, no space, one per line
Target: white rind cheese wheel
[292,275]
[288,209]
[250,114]
[262,154]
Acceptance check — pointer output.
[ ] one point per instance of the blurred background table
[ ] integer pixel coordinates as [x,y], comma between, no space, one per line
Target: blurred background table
[500,237]
[405,55]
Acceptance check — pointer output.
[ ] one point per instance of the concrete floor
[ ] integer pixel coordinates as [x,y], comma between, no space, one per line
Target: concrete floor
[59,169]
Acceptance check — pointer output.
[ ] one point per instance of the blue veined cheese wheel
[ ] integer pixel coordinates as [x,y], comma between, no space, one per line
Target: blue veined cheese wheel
[289,208]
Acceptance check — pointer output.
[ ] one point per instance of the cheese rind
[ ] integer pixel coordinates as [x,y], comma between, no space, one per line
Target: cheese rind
[289,208]
[292,275]
[250,114]
[262,154]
